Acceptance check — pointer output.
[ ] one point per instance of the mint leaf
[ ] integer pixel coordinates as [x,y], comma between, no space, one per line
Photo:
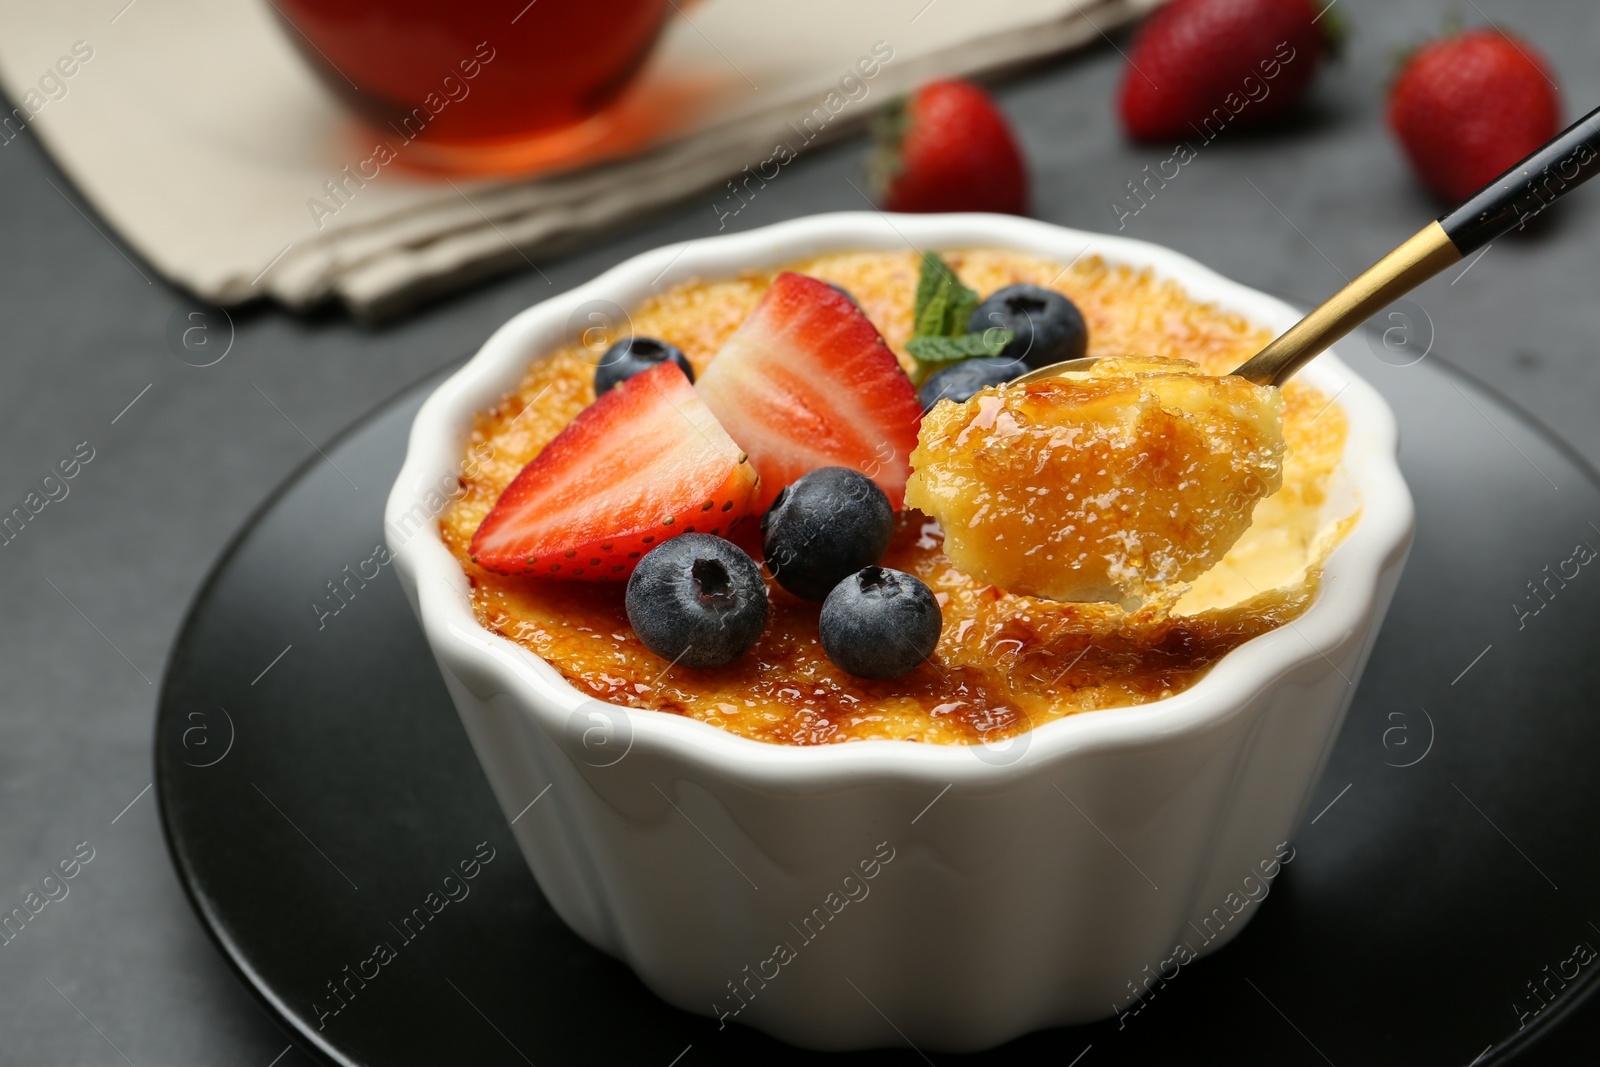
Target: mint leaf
[933,282]
[939,332]
[930,316]
[943,304]
[963,302]
[951,349]
[932,352]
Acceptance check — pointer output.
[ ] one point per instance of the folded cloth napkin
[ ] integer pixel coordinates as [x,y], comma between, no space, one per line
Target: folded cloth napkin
[202,137]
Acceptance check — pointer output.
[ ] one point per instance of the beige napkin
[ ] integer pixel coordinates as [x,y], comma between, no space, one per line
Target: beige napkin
[199,134]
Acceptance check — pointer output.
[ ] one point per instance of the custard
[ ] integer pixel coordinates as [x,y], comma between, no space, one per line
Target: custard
[1111,485]
[1005,662]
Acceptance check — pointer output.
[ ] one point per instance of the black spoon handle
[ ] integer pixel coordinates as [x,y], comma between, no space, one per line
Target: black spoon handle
[1565,162]
[1568,161]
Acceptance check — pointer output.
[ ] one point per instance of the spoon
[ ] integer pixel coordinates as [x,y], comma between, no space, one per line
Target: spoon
[1568,160]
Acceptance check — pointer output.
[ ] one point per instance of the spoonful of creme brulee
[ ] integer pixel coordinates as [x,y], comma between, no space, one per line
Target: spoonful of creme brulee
[1121,479]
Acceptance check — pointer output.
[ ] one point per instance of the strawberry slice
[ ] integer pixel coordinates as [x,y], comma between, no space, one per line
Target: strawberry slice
[645,462]
[807,382]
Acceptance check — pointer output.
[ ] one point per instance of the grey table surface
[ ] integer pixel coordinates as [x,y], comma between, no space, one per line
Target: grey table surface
[120,970]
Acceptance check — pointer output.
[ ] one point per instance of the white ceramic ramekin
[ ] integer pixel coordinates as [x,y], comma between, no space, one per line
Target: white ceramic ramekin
[875,893]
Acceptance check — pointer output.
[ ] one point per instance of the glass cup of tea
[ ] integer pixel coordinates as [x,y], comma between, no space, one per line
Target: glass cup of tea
[464,82]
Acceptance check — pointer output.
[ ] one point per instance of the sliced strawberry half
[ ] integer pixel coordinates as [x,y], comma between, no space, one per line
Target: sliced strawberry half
[645,462]
[807,382]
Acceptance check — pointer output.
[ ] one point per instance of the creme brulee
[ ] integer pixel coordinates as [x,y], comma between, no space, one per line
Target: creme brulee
[1117,484]
[1005,662]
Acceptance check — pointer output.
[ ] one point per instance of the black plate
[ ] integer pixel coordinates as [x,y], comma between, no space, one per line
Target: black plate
[316,787]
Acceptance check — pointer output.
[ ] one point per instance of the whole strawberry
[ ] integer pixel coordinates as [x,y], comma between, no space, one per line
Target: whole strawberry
[1201,66]
[948,148]
[1467,107]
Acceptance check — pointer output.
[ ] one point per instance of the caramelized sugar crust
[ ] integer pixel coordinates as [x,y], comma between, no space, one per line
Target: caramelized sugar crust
[1115,485]
[1005,662]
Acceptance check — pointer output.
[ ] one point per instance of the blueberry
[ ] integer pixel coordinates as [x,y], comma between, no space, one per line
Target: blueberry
[826,524]
[697,600]
[960,380]
[1049,327]
[631,355]
[842,291]
[880,623]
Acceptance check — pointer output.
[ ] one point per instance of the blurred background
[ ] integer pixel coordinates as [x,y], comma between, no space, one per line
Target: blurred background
[226,237]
